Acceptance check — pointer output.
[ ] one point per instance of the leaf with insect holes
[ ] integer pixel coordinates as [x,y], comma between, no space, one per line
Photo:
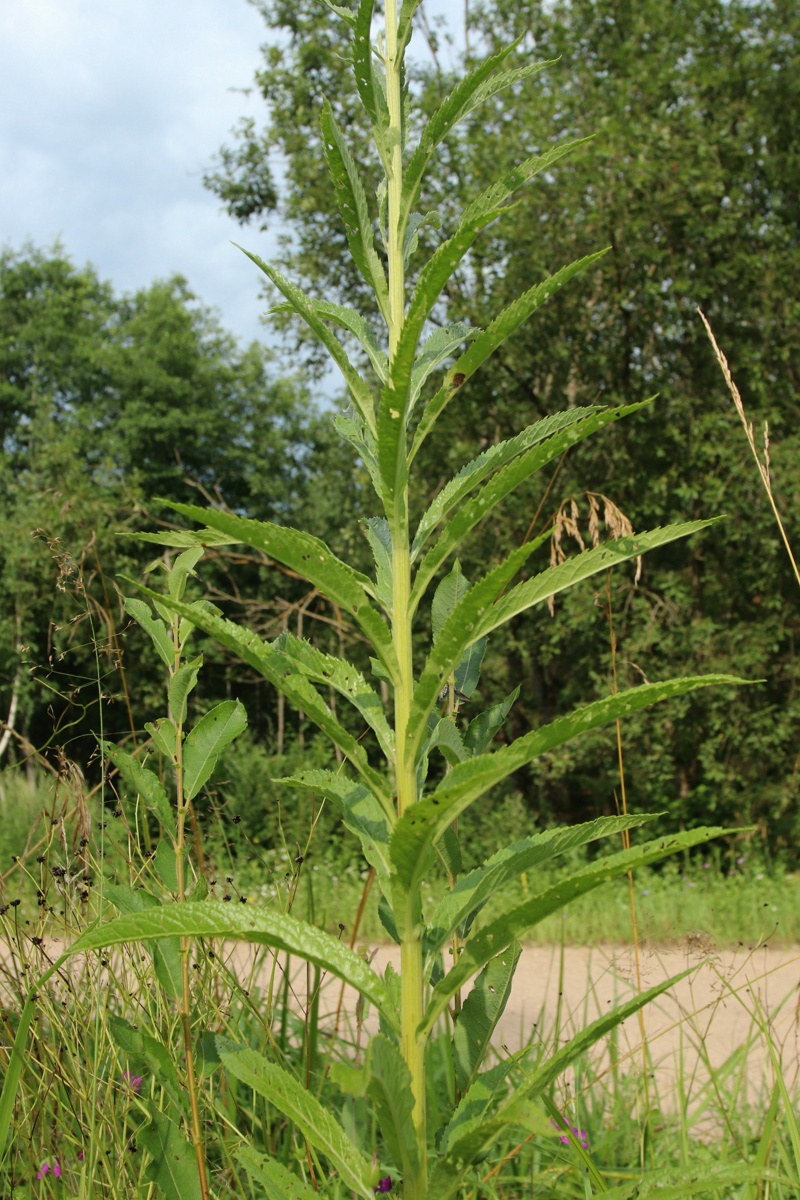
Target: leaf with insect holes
[493,337]
[261,926]
[173,1167]
[491,460]
[516,920]
[509,477]
[206,741]
[290,1098]
[424,823]
[469,92]
[311,558]
[458,906]
[439,346]
[278,1182]
[590,562]
[482,1009]
[144,782]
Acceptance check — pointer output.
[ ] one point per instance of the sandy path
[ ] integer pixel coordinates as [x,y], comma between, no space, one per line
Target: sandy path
[703,1020]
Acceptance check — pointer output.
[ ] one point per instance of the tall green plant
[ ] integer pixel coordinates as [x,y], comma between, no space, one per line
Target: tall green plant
[405,818]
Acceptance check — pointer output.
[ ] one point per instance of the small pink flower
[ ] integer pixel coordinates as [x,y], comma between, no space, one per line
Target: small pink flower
[45,1167]
[133,1081]
[384,1185]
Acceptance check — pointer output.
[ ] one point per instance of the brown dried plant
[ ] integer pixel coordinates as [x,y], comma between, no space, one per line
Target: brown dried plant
[566,523]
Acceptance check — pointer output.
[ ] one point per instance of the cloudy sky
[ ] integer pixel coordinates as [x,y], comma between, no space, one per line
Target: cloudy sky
[110,111]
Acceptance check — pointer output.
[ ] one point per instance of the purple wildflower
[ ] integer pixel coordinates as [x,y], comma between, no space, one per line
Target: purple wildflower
[133,1081]
[45,1167]
[565,1137]
[383,1185]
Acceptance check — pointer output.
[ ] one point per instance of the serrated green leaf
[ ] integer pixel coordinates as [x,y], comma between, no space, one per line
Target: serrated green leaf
[174,1167]
[280,1183]
[352,203]
[304,307]
[182,539]
[468,671]
[352,429]
[249,923]
[491,460]
[495,334]
[425,821]
[483,728]
[439,346]
[180,685]
[518,920]
[166,953]
[347,318]
[164,735]
[369,89]
[362,813]
[386,1080]
[159,634]
[311,558]
[298,688]
[470,1113]
[449,592]
[472,892]
[482,1009]
[144,782]
[447,737]
[206,741]
[415,223]
[467,95]
[509,477]
[466,1144]
[379,536]
[181,569]
[583,566]
[291,1099]
[454,638]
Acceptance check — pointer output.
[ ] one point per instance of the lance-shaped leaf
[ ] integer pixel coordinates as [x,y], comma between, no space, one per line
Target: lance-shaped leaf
[482,1009]
[361,812]
[311,558]
[292,1100]
[386,1080]
[472,892]
[393,410]
[467,1137]
[347,318]
[483,728]
[485,344]
[369,87]
[180,685]
[166,953]
[453,639]
[280,1184]
[521,467]
[344,678]
[517,921]
[144,782]
[469,92]
[174,1167]
[582,566]
[379,536]
[182,539]
[439,346]
[353,207]
[424,822]
[155,627]
[491,460]
[250,924]
[352,428]
[404,26]
[304,307]
[206,741]
[280,671]
[484,1095]
[415,223]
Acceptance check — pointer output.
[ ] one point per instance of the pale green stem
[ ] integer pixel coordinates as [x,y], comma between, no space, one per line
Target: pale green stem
[411,1007]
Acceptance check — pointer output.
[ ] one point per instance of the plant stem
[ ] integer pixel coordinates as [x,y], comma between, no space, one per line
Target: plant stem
[185,1006]
[412,979]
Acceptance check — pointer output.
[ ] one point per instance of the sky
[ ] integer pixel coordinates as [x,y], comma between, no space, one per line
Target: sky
[110,112]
